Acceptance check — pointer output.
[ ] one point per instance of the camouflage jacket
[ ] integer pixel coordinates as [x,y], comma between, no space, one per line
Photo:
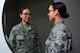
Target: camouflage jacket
[59,39]
[24,39]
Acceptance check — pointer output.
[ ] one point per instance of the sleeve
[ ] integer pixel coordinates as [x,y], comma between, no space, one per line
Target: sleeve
[12,41]
[62,42]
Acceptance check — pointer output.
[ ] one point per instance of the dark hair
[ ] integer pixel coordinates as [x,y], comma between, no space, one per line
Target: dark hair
[61,8]
[23,9]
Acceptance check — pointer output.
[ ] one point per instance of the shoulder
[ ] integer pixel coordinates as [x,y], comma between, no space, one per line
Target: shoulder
[33,26]
[62,27]
[16,27]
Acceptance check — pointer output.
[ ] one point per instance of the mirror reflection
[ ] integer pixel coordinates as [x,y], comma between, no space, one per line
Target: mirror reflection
[22,25]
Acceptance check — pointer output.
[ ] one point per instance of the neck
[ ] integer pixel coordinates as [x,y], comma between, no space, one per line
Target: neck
[57,19]
[25,23]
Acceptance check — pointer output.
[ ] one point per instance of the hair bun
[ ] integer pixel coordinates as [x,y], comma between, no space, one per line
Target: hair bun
[66,15]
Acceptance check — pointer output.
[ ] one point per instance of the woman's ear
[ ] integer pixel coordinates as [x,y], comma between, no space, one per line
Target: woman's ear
[56,12]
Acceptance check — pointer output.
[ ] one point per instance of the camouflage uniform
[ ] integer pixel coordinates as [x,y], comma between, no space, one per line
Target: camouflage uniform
[59,40]
[24,39]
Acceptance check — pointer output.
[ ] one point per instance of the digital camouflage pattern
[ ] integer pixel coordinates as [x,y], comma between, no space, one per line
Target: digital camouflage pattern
[24,39]
[59,40]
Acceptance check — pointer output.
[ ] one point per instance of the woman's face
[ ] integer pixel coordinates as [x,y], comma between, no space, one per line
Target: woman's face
[26,15]
[51,13]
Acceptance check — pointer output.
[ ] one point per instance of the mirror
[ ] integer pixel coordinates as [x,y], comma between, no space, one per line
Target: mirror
[39,14]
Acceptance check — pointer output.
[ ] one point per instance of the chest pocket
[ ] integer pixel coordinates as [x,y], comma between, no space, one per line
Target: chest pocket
[20,40]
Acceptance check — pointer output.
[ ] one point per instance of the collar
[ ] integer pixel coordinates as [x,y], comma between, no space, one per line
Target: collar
[26,27]
[62,21]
